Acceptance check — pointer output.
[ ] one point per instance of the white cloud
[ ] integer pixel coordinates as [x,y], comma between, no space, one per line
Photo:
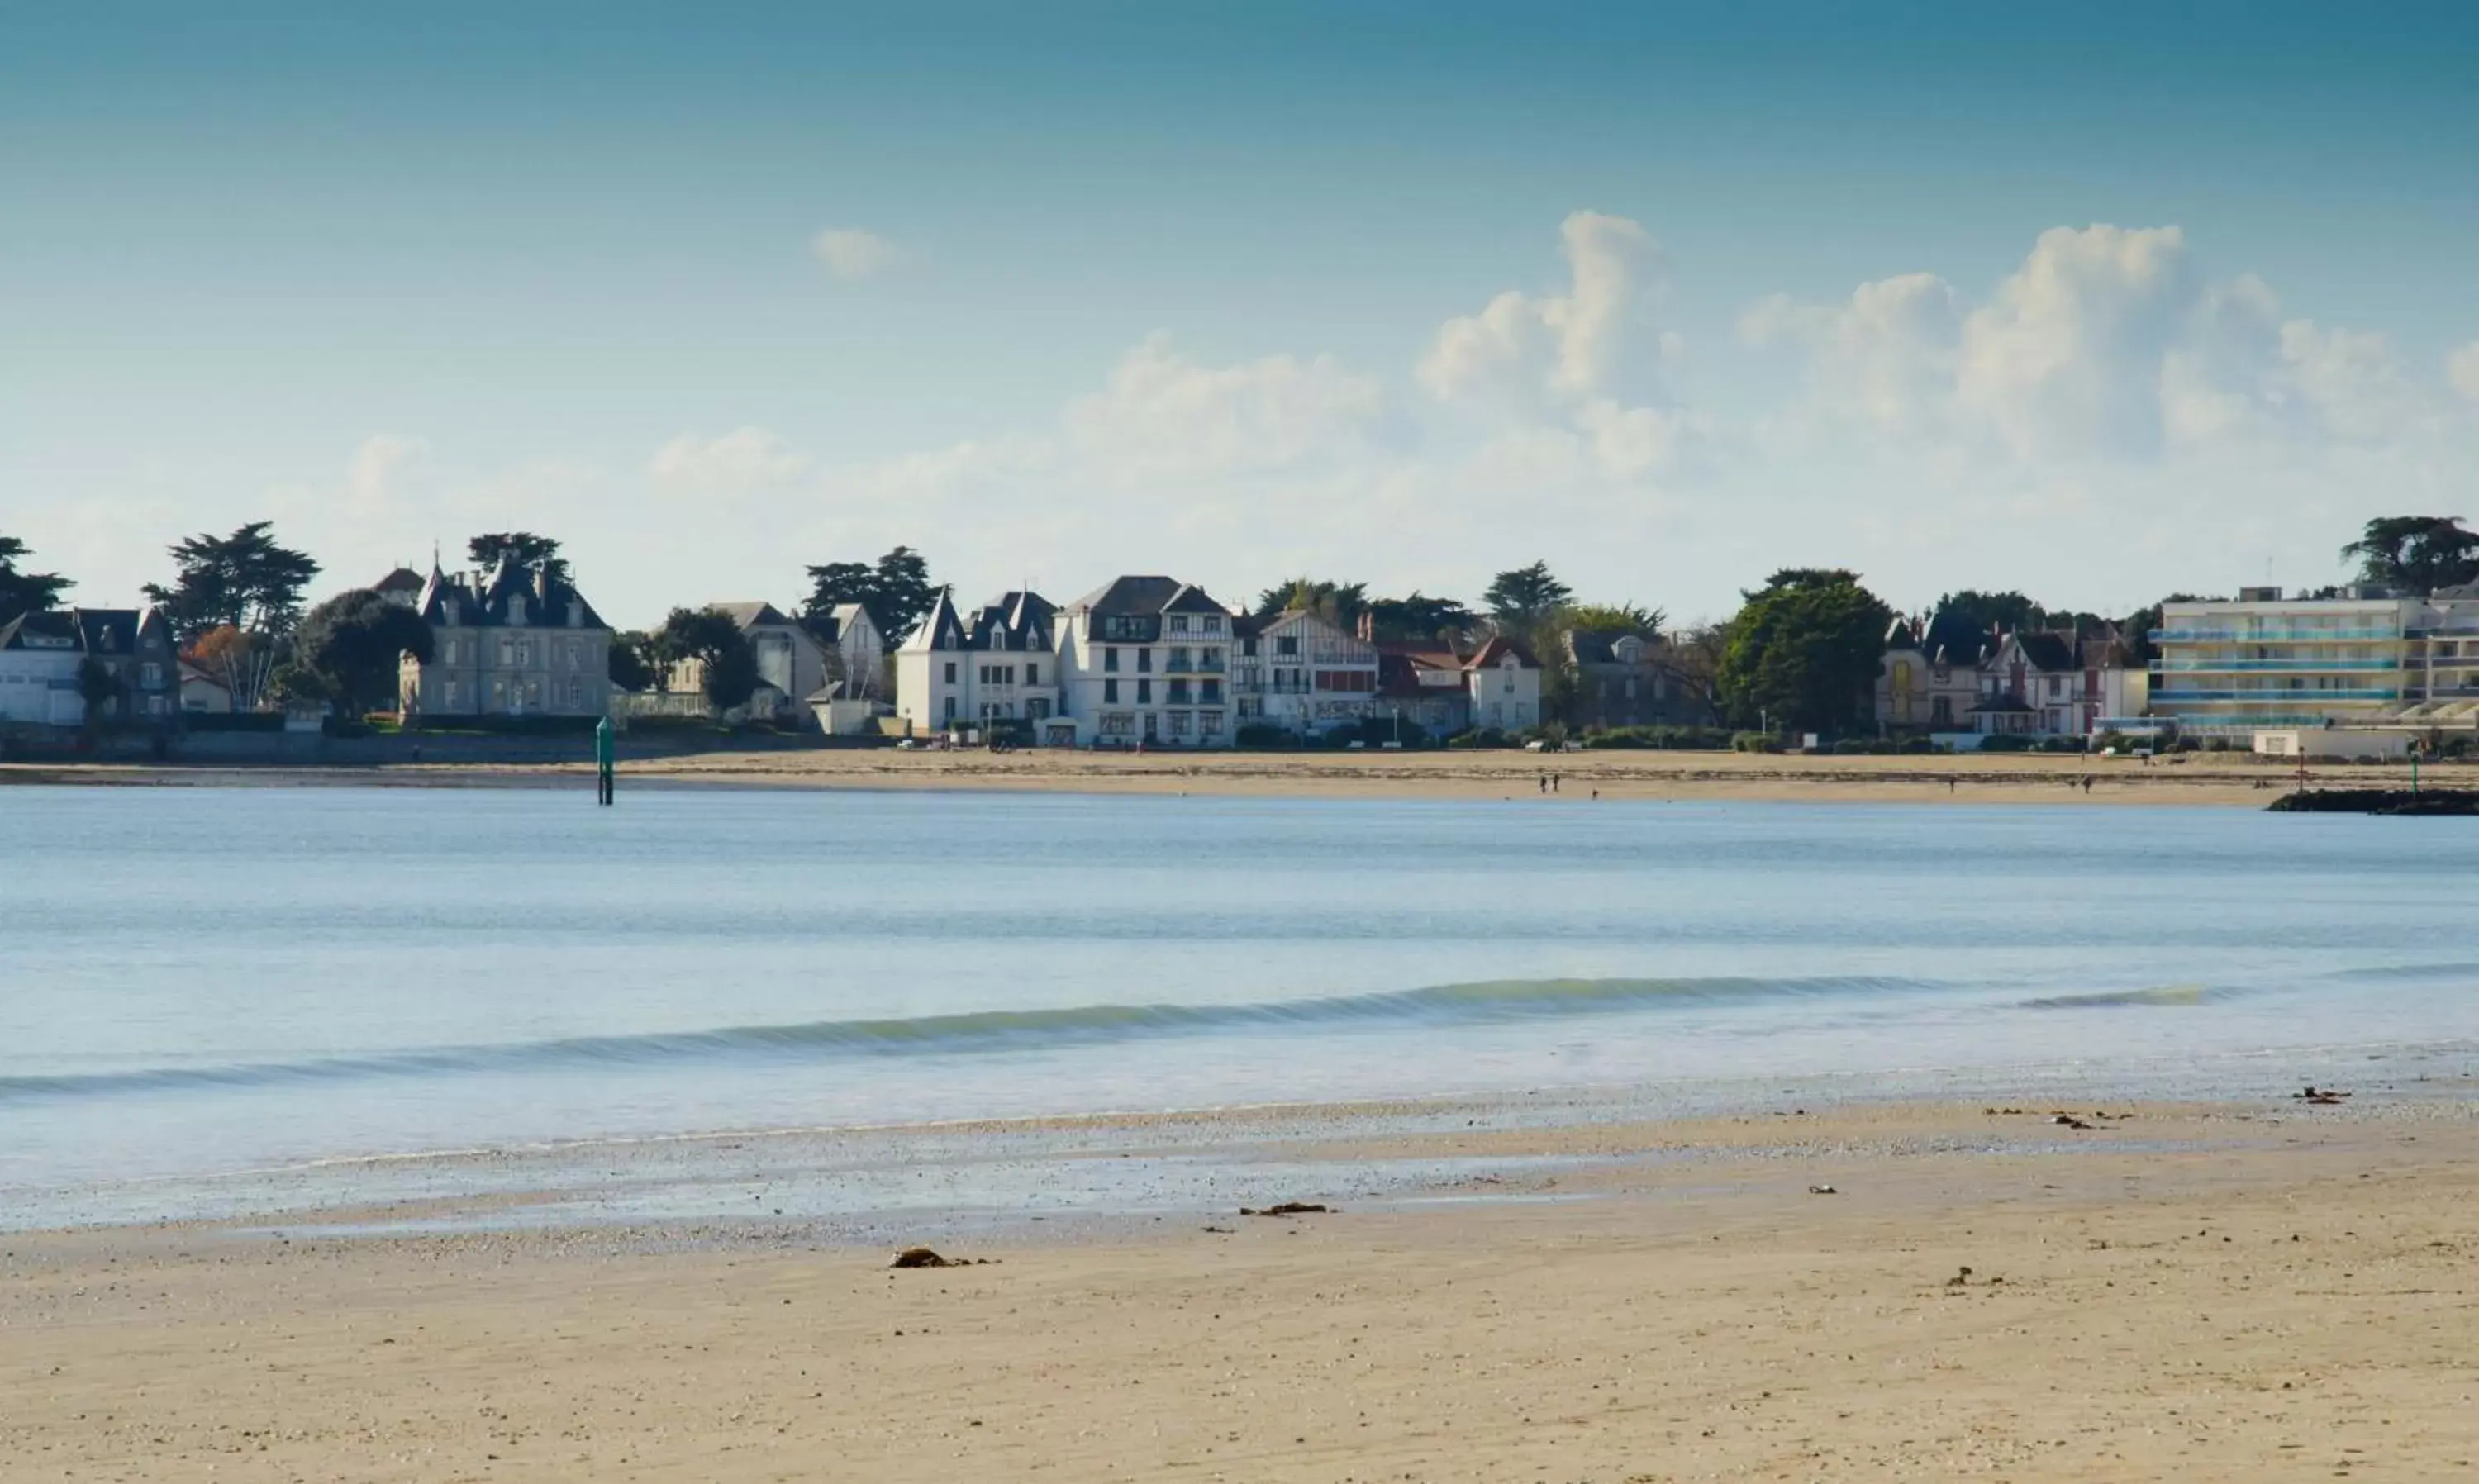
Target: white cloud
[378,467]
[851,253]
[1887,359]
[741,462]
[2066,356]
[1569,344]
[2105,344]
[2462,368]
[1164,415]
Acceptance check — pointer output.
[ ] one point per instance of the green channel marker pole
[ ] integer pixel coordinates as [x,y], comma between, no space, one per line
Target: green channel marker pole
[603,760]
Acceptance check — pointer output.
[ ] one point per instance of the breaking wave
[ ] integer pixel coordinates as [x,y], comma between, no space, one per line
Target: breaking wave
[983,1031]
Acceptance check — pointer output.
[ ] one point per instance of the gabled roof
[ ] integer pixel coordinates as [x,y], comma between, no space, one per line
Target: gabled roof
[48,624]
[2047,650]
[749,615]
[1496,649]
[404,580]
[940,629]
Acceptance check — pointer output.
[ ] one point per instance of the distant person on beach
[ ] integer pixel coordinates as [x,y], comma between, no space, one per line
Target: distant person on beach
[1544,782]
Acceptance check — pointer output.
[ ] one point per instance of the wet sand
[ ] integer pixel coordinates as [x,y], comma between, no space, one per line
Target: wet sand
[2251,1291]
[2228,780]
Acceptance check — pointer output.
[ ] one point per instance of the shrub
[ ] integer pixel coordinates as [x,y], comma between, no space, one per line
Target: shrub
[1480,736]
[1755,742]
[2005,742]
[1265,735]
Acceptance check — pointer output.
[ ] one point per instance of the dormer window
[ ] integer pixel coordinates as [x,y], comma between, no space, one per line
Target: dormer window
[1178,622]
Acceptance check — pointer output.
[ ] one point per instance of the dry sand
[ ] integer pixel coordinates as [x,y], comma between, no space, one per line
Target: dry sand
[2197,778]
[2271,1293]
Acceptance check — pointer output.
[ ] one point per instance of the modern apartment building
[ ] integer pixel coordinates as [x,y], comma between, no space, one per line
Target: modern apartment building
[2270,662]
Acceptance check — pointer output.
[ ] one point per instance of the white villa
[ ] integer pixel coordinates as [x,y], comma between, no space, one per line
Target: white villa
[1000,664]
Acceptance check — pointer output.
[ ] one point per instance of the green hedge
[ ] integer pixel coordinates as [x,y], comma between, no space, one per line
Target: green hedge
[1660,738]
[524,726]
[233,721]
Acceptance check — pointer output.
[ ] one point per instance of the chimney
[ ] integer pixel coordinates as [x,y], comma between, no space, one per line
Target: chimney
[1367,627]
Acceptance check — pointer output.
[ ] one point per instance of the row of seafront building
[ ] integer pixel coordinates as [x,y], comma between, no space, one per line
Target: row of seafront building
[2354,672]
[1154,661]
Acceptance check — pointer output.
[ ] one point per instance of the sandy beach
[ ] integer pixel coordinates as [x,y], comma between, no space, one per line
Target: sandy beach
[2228,780]
[2253,1292]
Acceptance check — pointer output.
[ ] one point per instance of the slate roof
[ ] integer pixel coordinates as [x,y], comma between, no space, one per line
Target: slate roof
[749,615]
[1142,595]
[2049,651]
[540,600]
[1012,622]
[404,580]
[1596,649]
[88,630]
[49,624]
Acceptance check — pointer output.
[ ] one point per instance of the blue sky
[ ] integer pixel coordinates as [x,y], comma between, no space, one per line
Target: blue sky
[1179,287]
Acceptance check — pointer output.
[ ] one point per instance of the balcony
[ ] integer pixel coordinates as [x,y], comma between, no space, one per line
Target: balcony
[2269,635]
[2274,697]
[2293,666]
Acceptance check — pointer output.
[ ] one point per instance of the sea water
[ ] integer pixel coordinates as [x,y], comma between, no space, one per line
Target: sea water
[204,980]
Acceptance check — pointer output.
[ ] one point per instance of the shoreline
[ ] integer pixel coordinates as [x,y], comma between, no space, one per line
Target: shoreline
[2210,780]
[2219,1292]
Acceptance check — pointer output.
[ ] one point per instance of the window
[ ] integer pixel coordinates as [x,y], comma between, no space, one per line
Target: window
[1178,658]
[448,694]
[1033,675]
[1248,647]
[1288,645]
[524,653]
[1178,622]
[1210,691]
[1209,659]
[1117,723]
[1110,660]
[150,673]
[1178,724]
[1144,661]
[2057,686]
[1179,693]
[951,676]
[1008,678]
[1144,693]
[575,694]
[576,656]
[1109,693]
[1630,687]
[507,649]
[951,705]
[1208,722]
[1213,623]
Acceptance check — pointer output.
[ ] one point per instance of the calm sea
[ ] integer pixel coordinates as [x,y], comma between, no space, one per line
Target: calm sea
[196,980]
